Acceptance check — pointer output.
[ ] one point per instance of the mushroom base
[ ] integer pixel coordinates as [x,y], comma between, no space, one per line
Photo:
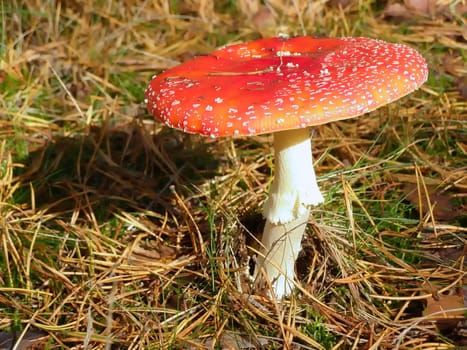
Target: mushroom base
[281,244]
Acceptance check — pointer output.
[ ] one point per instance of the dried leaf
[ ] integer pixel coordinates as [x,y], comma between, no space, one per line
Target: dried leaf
[450,254]
[422,7]
[441,202]
[31,340]
[462,87]
[396,10]
[411,8]
[231,341]
[264,21]
[442,306]
[149,252]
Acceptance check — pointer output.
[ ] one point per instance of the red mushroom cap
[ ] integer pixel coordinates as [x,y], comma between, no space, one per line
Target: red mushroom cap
[277,84]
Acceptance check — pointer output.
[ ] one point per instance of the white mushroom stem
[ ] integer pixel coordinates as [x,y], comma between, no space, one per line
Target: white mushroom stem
[293,190]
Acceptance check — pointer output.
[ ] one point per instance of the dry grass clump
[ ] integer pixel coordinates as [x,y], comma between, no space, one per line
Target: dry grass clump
[116,232]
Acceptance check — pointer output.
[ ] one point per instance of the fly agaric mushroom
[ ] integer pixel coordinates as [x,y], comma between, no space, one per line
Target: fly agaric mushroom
[284,86]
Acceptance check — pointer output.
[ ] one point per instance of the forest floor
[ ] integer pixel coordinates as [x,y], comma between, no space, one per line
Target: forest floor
[117,232]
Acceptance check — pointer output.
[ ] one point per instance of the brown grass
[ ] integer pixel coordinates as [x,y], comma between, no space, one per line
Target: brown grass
[116,232]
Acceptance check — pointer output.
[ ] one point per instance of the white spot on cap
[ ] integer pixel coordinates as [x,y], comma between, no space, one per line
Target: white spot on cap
[283,53]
